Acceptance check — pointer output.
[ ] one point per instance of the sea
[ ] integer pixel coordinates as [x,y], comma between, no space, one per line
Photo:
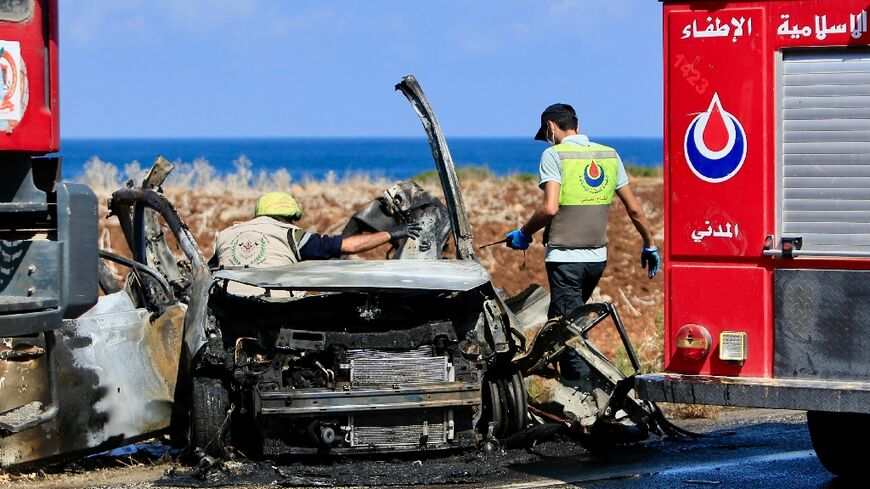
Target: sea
[320,158]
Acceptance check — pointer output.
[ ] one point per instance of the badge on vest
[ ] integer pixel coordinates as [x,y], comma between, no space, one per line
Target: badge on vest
[594,179]
[248,248]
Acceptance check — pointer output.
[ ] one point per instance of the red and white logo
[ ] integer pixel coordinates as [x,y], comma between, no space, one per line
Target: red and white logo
[715,144]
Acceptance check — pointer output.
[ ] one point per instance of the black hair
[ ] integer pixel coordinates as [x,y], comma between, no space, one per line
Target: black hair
[568,121]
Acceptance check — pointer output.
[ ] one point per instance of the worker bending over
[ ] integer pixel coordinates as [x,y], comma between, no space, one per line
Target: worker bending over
[272,238]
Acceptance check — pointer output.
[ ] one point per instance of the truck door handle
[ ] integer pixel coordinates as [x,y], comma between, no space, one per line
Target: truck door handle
[791,247]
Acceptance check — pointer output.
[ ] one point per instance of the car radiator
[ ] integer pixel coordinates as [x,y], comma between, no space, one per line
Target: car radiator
[402,430]
[383,368]
[407,429]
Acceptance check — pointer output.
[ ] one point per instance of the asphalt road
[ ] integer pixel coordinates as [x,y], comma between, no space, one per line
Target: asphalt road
[744,449]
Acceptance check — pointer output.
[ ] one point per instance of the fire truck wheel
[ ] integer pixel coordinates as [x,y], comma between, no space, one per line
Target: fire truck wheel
[209,422]
[838,456]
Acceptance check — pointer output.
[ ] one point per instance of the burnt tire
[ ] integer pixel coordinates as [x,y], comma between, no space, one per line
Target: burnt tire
[522,401]
[829,433]
[492,410]
[209,423]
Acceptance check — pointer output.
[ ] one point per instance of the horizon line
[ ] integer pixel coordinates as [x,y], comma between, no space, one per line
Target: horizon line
[231,138]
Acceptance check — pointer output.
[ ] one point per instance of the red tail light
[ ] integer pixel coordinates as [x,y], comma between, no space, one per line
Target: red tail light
[693,342]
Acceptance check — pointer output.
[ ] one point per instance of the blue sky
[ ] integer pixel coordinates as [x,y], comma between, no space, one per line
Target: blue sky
[283,68]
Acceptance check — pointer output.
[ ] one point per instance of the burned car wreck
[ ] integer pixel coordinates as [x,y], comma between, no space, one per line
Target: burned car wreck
[376,356]
[415,352]
[358,356]
[411,353]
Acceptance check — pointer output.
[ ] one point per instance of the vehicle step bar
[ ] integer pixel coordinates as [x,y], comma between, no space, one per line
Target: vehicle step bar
[319,401]
[799,394]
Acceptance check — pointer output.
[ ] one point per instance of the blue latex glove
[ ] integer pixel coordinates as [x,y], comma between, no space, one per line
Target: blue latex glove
[649,259]
[518,240]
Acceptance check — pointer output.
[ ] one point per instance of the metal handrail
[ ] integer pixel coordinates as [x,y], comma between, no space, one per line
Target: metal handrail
[819,253]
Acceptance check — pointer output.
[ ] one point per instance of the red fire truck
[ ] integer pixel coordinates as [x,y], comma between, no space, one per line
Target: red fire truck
[79,372]
[767,185]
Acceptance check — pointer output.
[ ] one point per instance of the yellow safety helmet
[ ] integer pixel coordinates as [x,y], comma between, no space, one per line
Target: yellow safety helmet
[278,204]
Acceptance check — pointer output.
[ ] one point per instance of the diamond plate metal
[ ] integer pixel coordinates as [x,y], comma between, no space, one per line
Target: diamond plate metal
[822,324]
[806,395]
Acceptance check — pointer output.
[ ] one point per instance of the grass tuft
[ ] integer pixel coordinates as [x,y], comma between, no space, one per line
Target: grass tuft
[643,171]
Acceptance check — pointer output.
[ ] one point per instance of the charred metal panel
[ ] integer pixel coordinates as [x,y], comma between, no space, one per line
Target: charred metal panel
[77,229]
[351,275]
[403,202]
[444,163]
[806,395]
[43,278]
[140,390]
[394,339]
[414,203]
[822,324]
[323,401]
[108,377]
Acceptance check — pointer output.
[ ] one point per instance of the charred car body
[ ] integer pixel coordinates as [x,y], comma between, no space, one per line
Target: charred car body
[379,355]
[416,352]
[408,353]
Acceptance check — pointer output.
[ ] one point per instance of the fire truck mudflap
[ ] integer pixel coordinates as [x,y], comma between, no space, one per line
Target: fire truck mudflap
[767,212]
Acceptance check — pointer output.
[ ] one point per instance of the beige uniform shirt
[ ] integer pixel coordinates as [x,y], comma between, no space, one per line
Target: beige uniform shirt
[258,243]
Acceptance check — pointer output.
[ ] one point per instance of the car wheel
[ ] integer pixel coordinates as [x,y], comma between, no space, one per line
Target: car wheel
[828,430]
[495,411]
[209,424]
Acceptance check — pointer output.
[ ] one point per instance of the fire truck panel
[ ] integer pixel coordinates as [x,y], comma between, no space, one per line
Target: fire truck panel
[29,119]
[767,164]
[721,207]
[742,311]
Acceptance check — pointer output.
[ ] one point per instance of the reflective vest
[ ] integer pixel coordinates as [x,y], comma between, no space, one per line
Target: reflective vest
[589,175]
[260,242]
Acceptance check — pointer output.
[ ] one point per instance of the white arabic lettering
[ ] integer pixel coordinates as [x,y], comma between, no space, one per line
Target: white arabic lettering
[857,25]
[716,27]
[730,232]
[822,29]
[795,31]
[738,27]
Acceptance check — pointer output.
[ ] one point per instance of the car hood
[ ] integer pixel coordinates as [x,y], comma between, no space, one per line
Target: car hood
[364,275]
[444,164]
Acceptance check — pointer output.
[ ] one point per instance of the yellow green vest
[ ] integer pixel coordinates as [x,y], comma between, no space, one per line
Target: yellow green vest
[589,175]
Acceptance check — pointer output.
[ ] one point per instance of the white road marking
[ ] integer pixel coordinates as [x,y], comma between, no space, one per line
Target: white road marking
[660,469]
[771,457]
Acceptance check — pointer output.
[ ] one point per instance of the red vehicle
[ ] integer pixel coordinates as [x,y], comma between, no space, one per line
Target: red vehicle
[79,372]
[767,184]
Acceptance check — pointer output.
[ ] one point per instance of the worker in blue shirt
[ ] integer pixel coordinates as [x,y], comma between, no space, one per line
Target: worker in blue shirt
[579,179]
